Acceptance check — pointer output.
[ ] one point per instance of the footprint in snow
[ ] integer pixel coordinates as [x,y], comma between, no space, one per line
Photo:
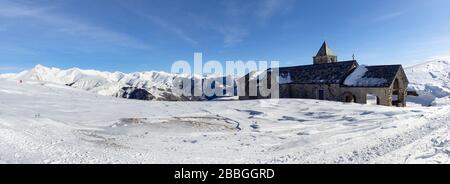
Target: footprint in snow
[254,126]
[191,141]
[303,133]
[289,118]
[388,127]
[251,112]
[367,112]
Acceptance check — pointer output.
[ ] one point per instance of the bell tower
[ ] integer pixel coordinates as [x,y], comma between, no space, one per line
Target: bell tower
[325,55]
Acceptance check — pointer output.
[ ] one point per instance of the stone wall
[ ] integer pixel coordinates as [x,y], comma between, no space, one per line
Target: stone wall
[336,92]
[324,59]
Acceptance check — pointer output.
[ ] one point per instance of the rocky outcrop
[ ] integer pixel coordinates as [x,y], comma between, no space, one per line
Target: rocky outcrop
[135,93]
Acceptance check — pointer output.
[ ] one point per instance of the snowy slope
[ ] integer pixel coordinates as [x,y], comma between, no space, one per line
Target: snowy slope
[431,79]
[159,85]
[47,123]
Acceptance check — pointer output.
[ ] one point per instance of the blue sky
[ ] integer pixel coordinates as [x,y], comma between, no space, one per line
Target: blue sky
[141,35]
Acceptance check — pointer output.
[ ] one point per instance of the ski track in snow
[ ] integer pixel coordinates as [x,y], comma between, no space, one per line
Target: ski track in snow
[47,123]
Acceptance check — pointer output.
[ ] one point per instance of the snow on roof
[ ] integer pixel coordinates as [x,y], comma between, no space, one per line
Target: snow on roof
[357,78]
[284,79]
[258,74]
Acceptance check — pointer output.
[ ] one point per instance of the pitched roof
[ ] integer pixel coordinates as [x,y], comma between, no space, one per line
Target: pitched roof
[385,72]
[328,73]
[325,50]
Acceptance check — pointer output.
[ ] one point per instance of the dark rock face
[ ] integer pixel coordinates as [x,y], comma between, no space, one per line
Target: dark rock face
[169,96]
[135,93]
[143,94]
[148,92]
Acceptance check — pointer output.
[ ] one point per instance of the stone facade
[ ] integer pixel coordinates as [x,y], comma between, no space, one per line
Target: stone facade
[325,81]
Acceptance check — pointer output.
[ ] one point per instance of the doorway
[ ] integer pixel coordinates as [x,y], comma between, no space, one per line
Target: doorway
[396,93]
[321,95]
[373,99]
[349,97]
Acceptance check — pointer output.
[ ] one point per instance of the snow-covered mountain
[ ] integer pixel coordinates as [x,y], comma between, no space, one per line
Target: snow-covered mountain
[140,85]
[431,80]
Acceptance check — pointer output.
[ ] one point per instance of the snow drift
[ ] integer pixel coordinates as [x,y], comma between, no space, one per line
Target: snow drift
[431,80]
[48,123]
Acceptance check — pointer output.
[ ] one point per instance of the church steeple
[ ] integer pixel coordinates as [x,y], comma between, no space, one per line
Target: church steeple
[325,55]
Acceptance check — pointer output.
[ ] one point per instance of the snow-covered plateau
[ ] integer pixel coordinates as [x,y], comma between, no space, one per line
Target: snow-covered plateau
[44,121]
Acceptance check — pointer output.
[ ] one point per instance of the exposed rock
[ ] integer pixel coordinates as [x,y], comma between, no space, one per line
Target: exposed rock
[135,93]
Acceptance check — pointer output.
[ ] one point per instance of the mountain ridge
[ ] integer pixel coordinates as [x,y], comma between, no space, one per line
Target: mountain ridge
[431,79]
[147,85]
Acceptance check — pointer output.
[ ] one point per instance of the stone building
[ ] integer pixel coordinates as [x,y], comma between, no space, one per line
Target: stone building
[330,79]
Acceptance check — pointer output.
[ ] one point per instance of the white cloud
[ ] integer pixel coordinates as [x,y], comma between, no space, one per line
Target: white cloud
[162,23]
[69,25]
[235,28]
[438,41]
[14,10]
[6,49]
[173,29]
[268,8]
[7,68]
[389,16]
[232,35]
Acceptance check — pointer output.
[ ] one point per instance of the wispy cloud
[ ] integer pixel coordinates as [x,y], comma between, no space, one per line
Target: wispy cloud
[8,49]
[14,10]
[438,41]
[7,68]
[269,8]
[70,26]
[162,23]
[232,35]
[10,70]
[235,28]
[389,16]
[180,33]
[232,27]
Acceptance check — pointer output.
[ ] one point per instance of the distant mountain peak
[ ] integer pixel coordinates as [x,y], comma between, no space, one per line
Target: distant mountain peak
[159,85]
[39,66]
